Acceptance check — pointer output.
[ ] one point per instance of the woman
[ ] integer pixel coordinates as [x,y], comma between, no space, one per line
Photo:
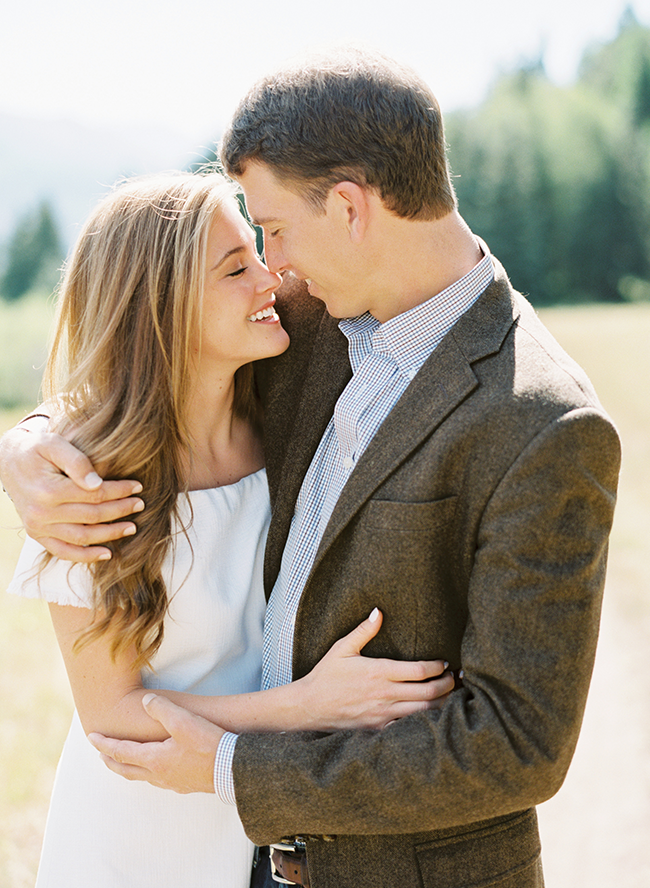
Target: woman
[164,304]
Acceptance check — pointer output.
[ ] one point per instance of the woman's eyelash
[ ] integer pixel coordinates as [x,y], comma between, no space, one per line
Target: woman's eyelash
[238,272]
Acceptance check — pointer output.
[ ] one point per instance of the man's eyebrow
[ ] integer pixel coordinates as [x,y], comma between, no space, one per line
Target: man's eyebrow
[263,221]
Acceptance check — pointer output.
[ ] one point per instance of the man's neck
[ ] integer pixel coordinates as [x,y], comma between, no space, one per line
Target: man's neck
[429,257]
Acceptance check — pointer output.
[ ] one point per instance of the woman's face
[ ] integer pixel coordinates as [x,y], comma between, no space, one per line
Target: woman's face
[239,321]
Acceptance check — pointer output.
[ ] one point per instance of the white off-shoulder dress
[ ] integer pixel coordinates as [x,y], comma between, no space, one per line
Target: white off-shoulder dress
[104,831]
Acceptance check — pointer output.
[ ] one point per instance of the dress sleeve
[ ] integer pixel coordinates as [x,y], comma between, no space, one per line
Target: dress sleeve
[59,582]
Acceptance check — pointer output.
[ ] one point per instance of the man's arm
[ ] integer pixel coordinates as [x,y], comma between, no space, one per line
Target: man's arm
[504,741]
[59,497]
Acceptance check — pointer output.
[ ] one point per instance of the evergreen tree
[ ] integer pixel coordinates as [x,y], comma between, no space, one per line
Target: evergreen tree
[557,180]
[619,72]
[33,254]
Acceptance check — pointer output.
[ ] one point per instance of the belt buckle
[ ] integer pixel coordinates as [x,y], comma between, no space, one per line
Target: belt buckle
[296,845]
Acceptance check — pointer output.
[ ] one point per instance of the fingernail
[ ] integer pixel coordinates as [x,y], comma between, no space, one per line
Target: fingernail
[147,699]
[92,480]
[105,556]
[129,531]
[139,506]
[137,488]
[446,665]
[461,673]
[374,616]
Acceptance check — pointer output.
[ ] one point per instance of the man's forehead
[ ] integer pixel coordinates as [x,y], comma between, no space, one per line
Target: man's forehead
[268,199]
[261,208]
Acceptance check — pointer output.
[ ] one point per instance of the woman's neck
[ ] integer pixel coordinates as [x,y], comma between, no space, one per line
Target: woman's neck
[224,448]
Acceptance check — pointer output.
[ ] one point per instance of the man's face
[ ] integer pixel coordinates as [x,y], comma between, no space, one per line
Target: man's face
[312,245]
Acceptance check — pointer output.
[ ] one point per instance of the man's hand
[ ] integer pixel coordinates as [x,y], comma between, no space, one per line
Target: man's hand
[61,500]
[184,762]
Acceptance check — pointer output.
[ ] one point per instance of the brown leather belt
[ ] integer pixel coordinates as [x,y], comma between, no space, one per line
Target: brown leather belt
[289,863]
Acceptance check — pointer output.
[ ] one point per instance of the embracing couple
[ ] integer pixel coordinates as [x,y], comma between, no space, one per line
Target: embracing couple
[442,480]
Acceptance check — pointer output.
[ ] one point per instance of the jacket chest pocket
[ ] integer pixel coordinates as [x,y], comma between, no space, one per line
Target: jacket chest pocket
[401,560]
[405,539]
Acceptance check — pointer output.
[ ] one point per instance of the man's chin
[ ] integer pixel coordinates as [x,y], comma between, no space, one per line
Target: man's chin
[338,312]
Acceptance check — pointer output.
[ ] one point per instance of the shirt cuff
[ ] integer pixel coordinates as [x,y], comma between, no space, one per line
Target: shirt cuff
[224,783]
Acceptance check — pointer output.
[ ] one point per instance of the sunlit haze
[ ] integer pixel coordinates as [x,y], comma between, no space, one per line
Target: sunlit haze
[185,64]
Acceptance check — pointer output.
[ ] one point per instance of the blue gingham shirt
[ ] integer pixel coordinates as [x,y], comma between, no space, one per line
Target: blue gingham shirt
[384,359]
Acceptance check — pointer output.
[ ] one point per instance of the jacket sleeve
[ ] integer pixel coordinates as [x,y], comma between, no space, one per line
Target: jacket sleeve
[504,740]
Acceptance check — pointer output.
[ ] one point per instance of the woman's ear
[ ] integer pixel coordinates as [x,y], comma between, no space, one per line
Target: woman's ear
[352,203]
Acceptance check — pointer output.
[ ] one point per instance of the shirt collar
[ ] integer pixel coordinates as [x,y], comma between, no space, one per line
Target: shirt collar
[410,337]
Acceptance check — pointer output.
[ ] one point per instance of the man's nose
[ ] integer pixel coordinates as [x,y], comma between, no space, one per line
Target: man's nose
[274,257]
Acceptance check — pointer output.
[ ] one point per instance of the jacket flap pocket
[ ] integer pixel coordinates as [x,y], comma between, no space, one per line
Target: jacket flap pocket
[505,853]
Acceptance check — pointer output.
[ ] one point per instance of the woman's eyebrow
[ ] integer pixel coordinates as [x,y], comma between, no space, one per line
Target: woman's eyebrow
[240,249]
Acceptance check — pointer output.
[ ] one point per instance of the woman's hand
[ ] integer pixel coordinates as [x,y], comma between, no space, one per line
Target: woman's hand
[347,690]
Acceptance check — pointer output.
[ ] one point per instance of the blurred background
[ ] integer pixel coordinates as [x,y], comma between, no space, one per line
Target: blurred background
[547,109]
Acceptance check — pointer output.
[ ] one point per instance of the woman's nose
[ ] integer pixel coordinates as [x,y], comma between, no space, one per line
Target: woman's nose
[270,280]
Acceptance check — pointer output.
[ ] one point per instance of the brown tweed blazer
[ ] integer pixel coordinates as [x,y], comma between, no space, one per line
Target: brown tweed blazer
[477,520]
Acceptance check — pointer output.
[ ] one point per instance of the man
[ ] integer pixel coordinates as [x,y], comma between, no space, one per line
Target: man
[435,454]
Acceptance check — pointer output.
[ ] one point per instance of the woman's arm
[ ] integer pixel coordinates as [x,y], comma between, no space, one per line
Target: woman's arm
[107,692]
[344,690]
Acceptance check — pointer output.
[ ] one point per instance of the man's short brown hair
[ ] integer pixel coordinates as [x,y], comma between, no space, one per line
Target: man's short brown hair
[352,115]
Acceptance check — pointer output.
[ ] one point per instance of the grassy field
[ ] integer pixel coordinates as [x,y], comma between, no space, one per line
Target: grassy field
[22,356]
[35,706]
[595,831]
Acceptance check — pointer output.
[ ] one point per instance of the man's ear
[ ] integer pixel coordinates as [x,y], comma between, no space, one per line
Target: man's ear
[352,203]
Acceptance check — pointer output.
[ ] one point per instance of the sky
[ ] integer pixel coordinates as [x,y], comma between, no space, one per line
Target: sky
[183,64]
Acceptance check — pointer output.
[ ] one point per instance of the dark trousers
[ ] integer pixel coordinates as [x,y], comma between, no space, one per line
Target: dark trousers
[261,877]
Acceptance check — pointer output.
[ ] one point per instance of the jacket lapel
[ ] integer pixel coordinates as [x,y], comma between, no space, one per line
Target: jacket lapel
[328,373]
[443,383]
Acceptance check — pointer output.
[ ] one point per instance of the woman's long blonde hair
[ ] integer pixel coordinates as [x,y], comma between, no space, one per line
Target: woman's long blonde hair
[120,369]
